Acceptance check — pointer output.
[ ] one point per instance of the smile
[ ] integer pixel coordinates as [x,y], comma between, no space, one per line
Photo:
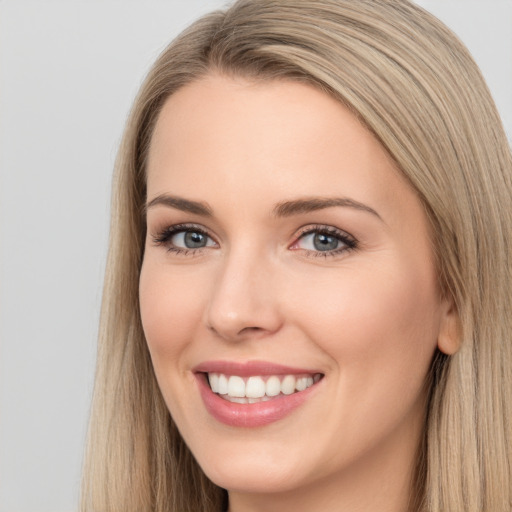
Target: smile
[255,389]
[253,394]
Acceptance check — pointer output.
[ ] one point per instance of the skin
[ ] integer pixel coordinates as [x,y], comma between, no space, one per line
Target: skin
[369,318]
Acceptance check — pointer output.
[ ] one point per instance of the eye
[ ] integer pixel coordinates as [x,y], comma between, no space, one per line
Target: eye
[324,241]
[320,242]
[184,238]
[190,239]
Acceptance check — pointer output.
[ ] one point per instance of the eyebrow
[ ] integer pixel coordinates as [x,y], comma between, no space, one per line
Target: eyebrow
[311,204]
[179,203]
[283,209]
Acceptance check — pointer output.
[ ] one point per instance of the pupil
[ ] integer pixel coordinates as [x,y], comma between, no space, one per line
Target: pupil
[323,242]
[193,240]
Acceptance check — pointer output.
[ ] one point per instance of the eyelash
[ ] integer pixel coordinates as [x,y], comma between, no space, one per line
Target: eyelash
[349,243]
[164,238]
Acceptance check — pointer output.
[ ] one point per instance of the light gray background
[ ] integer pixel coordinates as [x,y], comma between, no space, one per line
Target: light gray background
[69,70]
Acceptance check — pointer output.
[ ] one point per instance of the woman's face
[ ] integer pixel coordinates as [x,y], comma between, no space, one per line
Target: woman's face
[288,263]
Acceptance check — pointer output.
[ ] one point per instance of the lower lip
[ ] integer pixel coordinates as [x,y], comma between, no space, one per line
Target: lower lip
[250,415]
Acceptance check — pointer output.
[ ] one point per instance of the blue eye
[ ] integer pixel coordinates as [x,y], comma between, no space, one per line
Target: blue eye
[190,239]
[324,241]
[320,242]
[182,238]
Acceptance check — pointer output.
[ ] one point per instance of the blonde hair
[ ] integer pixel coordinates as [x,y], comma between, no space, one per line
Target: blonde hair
[415,86]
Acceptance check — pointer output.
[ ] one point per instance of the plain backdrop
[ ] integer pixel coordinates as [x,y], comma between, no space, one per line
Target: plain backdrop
[68,72]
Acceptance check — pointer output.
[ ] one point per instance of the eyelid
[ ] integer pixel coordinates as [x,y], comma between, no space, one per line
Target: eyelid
[349,242]
[163,236]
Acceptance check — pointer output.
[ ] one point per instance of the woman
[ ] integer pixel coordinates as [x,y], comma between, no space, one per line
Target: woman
[309,271]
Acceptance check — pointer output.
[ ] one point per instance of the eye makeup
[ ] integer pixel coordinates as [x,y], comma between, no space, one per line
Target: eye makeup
[314,241]
[324,241]
[184,239]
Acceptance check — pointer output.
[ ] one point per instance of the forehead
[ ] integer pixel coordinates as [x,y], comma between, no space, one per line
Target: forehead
[239,138]
[224,111]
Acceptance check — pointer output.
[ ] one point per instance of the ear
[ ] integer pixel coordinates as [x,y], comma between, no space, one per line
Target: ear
[449,338]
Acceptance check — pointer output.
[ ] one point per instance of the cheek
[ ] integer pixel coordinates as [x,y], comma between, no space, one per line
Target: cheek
[379,331]
[171,310]
[378,326]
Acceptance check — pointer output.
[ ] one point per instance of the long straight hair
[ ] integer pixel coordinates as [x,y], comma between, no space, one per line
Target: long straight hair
[414,85]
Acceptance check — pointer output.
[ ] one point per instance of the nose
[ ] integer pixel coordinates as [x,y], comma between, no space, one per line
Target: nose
[244,300]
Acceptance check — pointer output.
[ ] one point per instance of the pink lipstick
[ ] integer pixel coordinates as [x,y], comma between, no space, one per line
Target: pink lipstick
[254,393]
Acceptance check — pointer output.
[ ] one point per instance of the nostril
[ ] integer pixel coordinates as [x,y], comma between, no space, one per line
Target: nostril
[250,329]
[235,334]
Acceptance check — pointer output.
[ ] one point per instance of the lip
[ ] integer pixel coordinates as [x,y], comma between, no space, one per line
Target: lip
[246,369]
[250,415]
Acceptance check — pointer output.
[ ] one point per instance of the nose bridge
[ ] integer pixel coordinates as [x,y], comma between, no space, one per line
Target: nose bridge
[243,301]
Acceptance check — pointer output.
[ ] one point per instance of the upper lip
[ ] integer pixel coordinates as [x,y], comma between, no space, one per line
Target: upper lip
[248,368]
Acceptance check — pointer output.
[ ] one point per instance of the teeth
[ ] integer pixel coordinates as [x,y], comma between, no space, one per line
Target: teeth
[245,400]
[236,386]
[238,400]
[273,387]
[288,385]
[301,384]
[214,382]
[223,385]
[256,389]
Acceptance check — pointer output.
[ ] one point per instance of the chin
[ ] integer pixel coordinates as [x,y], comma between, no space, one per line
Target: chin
[253,466]
[252,477]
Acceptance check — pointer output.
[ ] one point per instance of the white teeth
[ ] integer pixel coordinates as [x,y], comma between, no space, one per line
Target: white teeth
[288,385]
[273,386]
[255,389]
[223,385]
[236,386]
[238,400]
[301,384]
[213,378]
